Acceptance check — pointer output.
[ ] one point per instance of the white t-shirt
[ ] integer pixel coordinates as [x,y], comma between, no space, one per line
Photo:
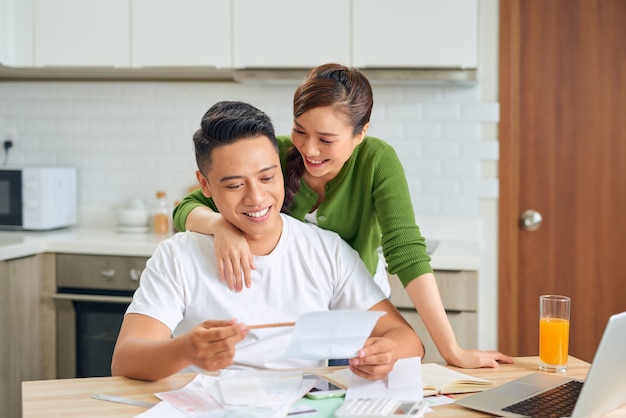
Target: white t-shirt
[380,276]
[310,269]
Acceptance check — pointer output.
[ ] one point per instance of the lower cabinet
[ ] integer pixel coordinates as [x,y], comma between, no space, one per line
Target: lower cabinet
[27,338]
[459,293]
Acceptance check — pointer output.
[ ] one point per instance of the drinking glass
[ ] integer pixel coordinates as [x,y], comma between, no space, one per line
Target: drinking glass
[554,314]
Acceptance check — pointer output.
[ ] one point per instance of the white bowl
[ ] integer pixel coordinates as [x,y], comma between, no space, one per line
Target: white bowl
[133,217]
[137,203]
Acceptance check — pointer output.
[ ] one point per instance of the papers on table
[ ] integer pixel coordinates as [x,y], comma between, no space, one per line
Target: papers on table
[254,394]
[269,394]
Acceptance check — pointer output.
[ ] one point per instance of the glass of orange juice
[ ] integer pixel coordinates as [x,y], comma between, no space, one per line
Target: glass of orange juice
[554,313]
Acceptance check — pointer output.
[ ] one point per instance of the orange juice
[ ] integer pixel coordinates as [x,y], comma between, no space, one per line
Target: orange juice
[553,340]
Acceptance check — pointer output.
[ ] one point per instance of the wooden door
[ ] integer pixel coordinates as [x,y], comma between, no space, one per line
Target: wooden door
[562,153]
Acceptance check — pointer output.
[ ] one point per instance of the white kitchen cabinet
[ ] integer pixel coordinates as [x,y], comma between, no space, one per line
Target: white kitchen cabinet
[290,33]
[415,33]
[27,334]
[81,33]
[181,33]
[237,34]
[459,294]
[16,34]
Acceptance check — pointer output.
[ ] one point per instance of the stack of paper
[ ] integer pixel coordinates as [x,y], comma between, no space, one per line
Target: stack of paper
[254,394]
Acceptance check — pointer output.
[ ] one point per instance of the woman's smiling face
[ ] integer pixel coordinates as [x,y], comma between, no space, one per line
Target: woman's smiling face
[325,140]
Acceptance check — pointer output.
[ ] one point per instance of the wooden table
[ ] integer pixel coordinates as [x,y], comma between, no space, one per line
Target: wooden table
[72,397]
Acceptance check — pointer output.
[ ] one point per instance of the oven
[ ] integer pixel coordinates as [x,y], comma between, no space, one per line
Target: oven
[93,292]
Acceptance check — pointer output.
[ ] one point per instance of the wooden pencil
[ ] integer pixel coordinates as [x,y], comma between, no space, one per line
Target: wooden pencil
[275,325]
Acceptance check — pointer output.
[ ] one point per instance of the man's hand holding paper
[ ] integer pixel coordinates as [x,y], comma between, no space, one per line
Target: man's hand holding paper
[376,359]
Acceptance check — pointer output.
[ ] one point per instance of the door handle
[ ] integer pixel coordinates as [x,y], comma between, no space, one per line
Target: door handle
[530,220]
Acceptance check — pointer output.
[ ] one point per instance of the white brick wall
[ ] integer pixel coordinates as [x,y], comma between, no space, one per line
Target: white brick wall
[133,138]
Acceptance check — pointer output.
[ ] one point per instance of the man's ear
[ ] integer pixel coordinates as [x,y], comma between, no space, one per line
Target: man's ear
[204,184]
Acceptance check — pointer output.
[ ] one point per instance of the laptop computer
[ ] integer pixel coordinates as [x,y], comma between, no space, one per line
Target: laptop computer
[603,390]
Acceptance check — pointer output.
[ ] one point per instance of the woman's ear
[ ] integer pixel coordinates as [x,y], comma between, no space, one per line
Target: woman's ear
[204,184]
[363,133]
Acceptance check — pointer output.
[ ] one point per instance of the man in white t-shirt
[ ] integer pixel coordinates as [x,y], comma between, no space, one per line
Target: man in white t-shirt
[184,317]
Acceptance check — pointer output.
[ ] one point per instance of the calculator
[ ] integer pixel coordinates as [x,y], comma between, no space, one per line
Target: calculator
[363,408]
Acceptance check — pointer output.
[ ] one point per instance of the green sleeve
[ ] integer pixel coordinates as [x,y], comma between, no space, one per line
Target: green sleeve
[189,203]
[403,245]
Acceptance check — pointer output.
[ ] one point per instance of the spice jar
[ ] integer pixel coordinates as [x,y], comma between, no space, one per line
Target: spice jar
[161,219]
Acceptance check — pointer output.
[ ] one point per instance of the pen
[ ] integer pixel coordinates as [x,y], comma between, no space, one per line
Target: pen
[304,411]
[275,325]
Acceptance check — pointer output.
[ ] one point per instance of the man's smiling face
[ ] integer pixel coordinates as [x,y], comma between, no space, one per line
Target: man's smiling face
[245,181]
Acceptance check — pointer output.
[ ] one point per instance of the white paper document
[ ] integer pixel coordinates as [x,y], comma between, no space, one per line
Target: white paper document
[243,391]
[404,383]
[336,334]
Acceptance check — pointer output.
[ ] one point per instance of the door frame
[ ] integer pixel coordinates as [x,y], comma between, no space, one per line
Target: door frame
[508,170]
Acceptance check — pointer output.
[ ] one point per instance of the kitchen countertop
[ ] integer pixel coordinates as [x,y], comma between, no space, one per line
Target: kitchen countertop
[448,254]
[76,240]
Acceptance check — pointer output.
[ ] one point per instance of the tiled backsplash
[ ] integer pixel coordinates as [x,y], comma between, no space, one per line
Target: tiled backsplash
[133,138]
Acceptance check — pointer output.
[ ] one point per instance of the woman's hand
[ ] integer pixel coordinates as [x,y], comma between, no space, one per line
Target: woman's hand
[376,359]
[234,260]
[425,295]
[474,359]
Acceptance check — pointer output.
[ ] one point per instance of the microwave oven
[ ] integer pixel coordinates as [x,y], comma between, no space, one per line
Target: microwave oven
[38,198]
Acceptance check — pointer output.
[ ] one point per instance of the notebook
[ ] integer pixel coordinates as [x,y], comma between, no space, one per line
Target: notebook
[604,388]
[439,380]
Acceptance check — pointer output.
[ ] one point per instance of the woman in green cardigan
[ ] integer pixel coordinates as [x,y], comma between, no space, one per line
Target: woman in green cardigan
[350,183]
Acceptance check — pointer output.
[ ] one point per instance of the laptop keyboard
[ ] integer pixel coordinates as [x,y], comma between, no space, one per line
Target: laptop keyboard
[557,402]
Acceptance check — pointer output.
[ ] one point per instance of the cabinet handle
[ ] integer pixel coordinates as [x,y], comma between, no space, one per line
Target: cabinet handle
[108,273]
[134,274]
[92,298]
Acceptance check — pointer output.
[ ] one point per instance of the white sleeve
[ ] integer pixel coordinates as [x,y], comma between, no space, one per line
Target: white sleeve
[160,294]
[356,288]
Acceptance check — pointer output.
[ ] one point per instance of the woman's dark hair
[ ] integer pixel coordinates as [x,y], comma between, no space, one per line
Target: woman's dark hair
[226,122]
[346,90]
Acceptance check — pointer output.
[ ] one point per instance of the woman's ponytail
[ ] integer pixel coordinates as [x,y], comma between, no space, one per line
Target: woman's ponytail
[293,173]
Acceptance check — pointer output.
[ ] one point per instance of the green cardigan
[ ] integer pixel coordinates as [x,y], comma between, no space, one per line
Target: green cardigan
[368,204]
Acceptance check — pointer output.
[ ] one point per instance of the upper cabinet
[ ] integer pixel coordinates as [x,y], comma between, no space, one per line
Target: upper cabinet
[16,34]
[132,33]
[363,33]
[290,33]
[415,33]
[181,33]
[81,33]
[203,38]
